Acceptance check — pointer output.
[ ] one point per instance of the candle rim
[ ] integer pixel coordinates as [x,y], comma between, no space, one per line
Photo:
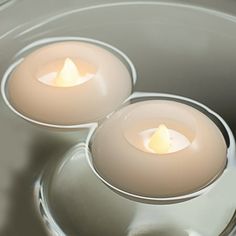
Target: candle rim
[166,156]
[191,139]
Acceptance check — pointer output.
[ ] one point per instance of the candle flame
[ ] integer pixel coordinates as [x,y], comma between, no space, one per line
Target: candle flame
[69,74]
[160,140]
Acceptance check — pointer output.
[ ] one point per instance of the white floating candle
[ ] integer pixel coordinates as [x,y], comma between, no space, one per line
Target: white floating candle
[158,149]
[69,83]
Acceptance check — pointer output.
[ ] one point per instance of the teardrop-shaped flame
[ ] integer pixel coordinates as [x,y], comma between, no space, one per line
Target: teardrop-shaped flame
[160,140]
[68,76]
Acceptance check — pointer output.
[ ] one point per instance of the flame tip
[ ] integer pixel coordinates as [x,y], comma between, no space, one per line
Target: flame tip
[160,140]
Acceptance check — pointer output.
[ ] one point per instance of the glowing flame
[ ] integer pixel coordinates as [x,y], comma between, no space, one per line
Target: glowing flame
[160,140]
[69,75]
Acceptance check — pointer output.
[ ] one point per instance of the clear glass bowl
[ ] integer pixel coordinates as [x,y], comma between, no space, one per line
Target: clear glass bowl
[176,48]
[74,199]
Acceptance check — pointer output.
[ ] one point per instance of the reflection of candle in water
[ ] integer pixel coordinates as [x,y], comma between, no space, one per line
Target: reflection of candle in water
[161,149]
[69,83]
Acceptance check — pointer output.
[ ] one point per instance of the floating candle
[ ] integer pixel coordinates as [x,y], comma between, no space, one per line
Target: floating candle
[159,149]
[69,83]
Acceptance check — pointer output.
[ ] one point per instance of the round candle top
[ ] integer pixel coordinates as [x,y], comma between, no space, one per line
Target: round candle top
[158,149]
[69,83]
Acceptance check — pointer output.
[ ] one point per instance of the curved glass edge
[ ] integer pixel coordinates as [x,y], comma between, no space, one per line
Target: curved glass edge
[46,216]
[122,56]
[231,160]
[230,229]
[41,190]
[43,210]
[6,3]
[201,7]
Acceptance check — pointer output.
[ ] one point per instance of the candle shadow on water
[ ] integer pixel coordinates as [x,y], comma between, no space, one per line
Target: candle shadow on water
[23,217]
